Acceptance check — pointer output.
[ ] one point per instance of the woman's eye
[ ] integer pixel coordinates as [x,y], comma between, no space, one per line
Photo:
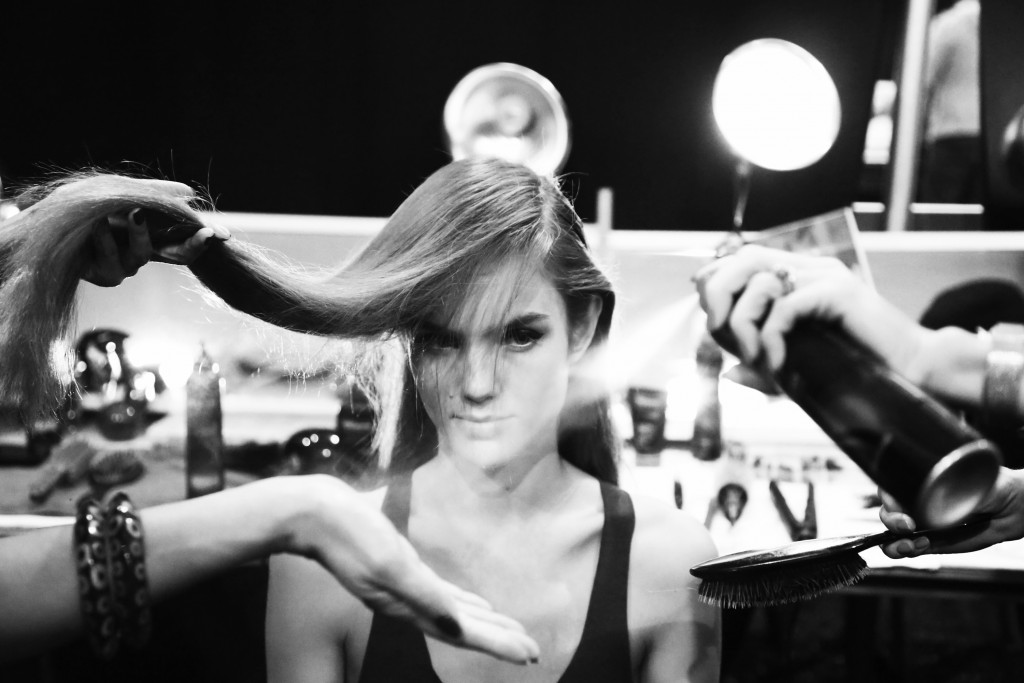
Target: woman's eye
[522,337]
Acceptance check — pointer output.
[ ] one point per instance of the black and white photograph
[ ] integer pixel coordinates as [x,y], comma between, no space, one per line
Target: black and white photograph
[456,342]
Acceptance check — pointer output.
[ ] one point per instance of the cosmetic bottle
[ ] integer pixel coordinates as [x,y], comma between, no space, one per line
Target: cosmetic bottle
[647,408]
[912,446]
[204,447]
[706,443]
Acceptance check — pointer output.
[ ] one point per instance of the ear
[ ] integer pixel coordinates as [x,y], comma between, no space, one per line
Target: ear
[583,332]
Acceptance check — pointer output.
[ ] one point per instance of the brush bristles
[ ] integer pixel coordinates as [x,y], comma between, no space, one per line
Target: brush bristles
[779,585]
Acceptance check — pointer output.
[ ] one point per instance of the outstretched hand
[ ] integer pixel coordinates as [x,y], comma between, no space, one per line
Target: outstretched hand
[1005,504]
[356,543]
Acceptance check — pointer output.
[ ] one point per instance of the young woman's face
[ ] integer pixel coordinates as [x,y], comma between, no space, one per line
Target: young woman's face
[494,385]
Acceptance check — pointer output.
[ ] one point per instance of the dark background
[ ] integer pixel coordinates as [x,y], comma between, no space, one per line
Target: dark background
[335,108]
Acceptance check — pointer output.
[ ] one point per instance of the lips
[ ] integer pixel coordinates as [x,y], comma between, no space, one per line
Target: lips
[478,419]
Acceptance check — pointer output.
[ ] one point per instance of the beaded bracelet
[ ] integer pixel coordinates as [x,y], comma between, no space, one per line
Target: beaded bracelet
[112,582]
[1004,373]
[128,575]
[94,590]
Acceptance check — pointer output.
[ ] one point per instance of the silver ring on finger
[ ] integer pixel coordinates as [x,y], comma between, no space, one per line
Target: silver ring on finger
[786,279]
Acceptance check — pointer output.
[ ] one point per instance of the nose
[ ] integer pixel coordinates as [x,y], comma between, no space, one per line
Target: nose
[479,375]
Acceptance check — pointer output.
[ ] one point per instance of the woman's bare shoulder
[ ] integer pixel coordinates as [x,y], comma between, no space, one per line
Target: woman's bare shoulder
[668,541]
[674,632]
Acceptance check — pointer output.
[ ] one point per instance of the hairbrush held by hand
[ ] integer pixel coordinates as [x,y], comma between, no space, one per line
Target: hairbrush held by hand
[805,569]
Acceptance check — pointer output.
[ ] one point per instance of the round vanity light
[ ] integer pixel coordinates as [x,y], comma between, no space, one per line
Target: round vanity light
[776,105]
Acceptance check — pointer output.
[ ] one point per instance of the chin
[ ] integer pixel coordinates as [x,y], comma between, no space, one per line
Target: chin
[486,455]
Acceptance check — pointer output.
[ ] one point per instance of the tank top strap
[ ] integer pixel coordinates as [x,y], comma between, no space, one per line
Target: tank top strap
[611,583]
[604,650]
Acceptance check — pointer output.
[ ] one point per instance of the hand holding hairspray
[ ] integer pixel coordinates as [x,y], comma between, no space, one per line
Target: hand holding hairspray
[936,466]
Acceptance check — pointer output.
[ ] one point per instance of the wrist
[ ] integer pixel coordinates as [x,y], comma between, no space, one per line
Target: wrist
[192,539]
[1004,375]
[305,502]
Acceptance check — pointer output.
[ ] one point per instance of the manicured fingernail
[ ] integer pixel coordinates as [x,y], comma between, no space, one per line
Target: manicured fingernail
[138,216]
[201,235]
[921,543]
[220,232]
[449,626]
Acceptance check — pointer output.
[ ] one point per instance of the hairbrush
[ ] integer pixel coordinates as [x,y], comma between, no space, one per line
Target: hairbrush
[805,569]
[114,467]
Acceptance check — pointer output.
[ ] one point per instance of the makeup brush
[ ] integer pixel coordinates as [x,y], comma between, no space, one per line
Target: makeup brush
[805,569]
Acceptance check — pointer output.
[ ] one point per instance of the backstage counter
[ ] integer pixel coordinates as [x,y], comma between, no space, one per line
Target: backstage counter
[259,416]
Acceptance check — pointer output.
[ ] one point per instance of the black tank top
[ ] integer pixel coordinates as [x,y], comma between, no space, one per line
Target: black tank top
[396,652]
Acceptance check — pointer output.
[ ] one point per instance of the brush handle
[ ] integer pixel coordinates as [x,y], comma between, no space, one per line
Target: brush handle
[944,535]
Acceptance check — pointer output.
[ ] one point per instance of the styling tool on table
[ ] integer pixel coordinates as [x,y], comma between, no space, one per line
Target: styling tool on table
[799,530]
[68,464]
[111,468]
[805,569]
[730,501]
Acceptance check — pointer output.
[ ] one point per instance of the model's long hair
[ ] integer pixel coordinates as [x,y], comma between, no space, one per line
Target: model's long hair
[464,220]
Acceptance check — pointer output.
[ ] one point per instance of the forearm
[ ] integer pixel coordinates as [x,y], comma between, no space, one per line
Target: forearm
[38,592]
[193,540]
[185,543]
[951,365]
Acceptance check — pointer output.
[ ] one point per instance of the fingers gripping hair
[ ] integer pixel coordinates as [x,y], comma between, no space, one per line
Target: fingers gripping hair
[43,253]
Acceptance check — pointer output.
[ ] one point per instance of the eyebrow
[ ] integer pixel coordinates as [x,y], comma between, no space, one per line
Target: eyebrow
[524,319]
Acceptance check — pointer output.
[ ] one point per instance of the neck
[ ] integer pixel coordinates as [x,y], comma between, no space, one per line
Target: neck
[519,488]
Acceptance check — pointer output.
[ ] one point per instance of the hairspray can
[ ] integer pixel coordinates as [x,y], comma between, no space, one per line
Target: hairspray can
[936,466]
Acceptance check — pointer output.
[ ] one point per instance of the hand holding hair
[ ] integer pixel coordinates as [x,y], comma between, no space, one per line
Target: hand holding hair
[111,260]
[87,226]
